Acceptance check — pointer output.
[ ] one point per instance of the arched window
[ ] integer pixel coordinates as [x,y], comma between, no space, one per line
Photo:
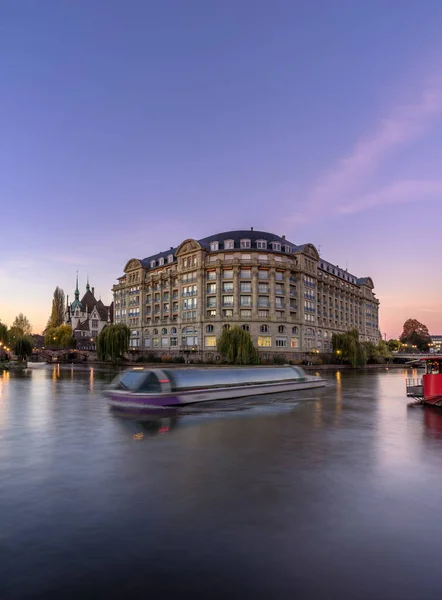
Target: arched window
[209,328]
[264,329]
[226,326]
[281,329]
[152,264]
[245,327]
[319,333]
[155,331]
[173,331]
[295,330]
[164,331]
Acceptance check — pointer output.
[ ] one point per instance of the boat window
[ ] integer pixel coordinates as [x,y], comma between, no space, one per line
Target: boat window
[150,384]
[130,380]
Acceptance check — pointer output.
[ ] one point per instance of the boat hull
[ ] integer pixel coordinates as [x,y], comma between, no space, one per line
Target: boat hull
[119,398]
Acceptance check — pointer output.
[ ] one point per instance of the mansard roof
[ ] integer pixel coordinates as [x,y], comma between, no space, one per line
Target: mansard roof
[254,236]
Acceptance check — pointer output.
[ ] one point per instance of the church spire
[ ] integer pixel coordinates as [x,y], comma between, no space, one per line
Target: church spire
[87,284]
[77,292]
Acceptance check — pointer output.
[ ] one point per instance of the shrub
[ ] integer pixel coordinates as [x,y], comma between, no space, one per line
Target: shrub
[178,359]
[279,359]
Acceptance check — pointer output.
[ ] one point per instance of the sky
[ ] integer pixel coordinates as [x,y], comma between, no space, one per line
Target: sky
[128,126]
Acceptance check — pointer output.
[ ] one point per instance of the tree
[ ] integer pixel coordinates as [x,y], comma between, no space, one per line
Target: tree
[22,324]
[415,334]
[113,342]
[378,354]
[4,337]
[394,345]
[236,346]
[349,349]
[59,337]
[23,346]
[57,315]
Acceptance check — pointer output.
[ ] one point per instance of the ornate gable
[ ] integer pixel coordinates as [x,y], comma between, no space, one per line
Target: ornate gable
[134,263]
[187,246]
[311,251]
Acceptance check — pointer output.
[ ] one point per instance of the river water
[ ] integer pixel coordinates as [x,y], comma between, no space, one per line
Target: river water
[331,493]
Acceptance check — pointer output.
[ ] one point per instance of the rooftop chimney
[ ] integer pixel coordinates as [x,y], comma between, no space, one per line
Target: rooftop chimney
[93,291]
[171,247]
[251,228]
[283,237]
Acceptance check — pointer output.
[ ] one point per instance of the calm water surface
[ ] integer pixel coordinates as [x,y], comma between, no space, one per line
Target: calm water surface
[325,494]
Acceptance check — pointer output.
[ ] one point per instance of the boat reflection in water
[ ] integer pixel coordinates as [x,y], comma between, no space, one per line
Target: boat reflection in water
[142,387]
[146,422]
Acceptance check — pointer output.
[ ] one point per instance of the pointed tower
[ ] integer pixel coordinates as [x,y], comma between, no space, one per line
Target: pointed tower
[87,284]
[76,302]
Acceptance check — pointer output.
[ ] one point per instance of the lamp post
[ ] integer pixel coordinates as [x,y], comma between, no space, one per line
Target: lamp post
[339,352]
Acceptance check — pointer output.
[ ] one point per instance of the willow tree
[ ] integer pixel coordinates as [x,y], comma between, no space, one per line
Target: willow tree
[236,346]
[23,346]
[113,342]
[349,348]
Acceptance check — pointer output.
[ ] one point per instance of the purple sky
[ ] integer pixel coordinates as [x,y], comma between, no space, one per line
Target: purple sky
[126,127]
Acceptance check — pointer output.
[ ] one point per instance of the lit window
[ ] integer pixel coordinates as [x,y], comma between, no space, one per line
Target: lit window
[214,246]
[210,341]
[294,342]
[245,243]
[228,244]
[264,341]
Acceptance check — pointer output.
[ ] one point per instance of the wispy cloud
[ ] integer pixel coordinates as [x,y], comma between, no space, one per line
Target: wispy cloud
[345,187]
[399,192]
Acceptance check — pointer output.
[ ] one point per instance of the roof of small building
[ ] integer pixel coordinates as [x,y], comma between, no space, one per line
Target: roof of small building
[102,310]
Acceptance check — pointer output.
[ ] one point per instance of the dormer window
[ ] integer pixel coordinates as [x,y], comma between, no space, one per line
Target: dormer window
[286,249]
[214,246]
[161,262]
[276,246]
[152,264]
[245,243]
[170,258]
[261,245]
[228,244]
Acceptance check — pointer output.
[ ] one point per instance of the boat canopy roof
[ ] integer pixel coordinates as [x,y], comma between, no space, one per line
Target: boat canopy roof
[434,358]
[140,380]
[197,378]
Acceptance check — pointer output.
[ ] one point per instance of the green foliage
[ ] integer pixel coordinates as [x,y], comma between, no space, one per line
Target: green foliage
[236,347]
[4,336]
[394,345]
[415,334]
[113,342]
[348,348]
[57,314]
[23,346]
[279,360]
[21,325]
[59,337]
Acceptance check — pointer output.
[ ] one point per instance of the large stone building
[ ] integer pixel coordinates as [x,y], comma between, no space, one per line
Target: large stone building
[287,296]
[87,316]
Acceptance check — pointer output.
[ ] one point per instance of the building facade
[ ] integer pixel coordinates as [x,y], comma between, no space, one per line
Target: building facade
[87,317]
[288,298]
